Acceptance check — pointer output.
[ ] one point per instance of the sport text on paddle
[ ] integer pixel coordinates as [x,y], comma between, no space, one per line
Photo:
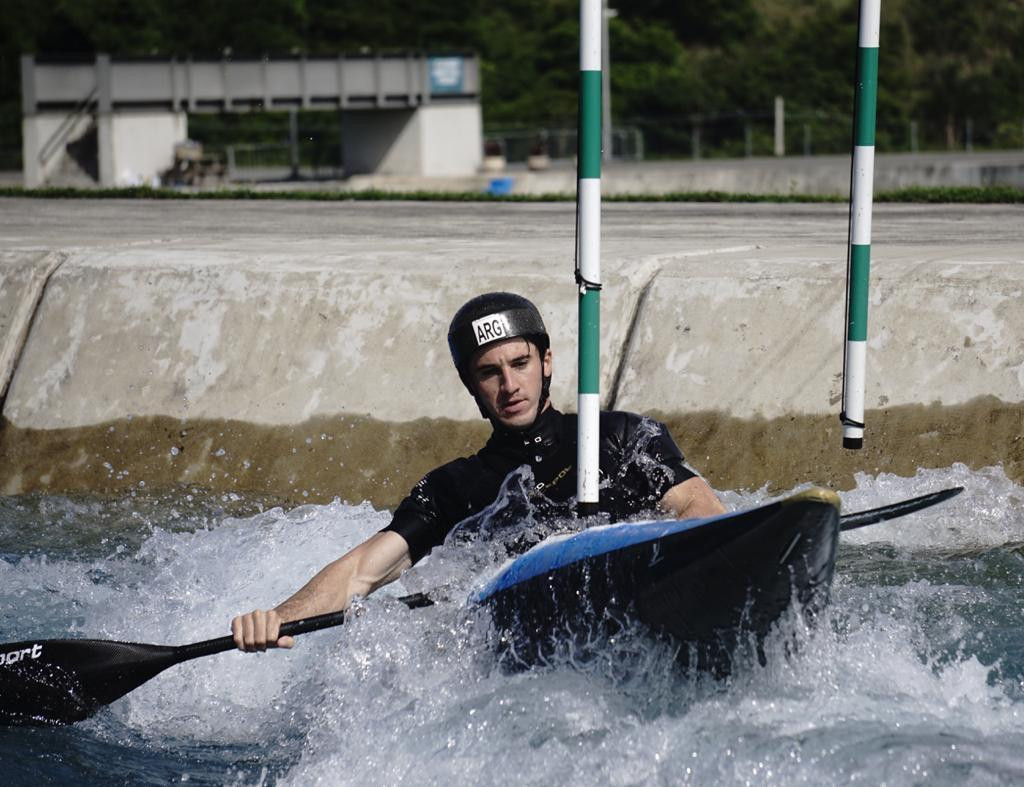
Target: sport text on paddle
[62,681]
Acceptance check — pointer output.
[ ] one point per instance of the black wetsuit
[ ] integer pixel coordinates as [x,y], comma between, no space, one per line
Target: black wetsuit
[639,462]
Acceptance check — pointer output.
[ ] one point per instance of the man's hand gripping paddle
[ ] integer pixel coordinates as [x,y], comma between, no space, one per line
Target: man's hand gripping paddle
[61,681]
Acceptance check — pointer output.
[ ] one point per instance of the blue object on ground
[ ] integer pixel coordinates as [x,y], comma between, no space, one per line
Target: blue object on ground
[500,187]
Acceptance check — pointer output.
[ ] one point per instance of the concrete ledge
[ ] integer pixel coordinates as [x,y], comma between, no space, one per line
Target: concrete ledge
[751,338]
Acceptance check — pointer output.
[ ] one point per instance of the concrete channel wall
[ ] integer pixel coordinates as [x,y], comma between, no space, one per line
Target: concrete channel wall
[22,279]
[268,342]
[944,332]
[297,368]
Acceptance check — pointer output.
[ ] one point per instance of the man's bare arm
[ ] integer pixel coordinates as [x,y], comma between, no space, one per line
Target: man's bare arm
[692,499]
[377,561]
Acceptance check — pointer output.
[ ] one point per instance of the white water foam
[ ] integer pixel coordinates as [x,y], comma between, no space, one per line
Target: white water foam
[989,512]
[888,688]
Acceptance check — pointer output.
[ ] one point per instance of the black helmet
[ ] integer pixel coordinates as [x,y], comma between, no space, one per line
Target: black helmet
[490,318]
[493,317]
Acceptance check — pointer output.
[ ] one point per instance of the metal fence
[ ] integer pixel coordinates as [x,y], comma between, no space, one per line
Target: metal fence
[308,159]
[273,145]
[518,144]
[264,140]
[814,133]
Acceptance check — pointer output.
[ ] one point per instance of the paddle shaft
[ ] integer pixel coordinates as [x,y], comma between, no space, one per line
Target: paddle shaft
[291,629]
[894,510]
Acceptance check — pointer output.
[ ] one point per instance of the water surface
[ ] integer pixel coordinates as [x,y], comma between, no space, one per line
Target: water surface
[915,674]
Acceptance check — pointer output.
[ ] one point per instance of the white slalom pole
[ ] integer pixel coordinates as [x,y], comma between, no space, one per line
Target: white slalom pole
[861,189]
[588,269]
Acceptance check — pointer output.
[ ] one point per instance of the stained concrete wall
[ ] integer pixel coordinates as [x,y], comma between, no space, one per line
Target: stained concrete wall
[940,331]
[274,341]
[297,348]
[22,279]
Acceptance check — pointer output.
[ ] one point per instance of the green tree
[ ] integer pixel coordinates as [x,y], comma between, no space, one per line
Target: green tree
[942,61]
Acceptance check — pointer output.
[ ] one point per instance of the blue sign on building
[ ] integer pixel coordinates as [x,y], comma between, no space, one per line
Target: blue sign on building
[446,74]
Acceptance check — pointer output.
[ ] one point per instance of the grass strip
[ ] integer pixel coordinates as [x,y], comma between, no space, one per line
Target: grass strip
[954,194]
[913,194]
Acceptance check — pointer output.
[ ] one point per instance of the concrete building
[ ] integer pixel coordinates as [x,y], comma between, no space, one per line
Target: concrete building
[116,121]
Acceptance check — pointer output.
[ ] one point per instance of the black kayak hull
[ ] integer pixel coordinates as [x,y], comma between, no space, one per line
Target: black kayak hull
[707,583]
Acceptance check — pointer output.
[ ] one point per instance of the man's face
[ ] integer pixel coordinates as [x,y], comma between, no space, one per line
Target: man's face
[509,377]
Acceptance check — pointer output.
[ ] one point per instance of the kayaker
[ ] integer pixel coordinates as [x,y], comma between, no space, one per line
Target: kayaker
[502,352]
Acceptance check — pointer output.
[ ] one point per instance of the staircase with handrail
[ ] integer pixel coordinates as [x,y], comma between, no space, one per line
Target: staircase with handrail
[58,139]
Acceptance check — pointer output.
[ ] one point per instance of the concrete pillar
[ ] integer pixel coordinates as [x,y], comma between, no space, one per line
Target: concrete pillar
[435,139]
[293,139]
[452,138]
[780,126]
[104,115]
[105,148]
[31,171]
[136,147]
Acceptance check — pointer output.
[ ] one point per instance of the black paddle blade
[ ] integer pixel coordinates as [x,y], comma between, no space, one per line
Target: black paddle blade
[894,510]
[61,681]
[64,681]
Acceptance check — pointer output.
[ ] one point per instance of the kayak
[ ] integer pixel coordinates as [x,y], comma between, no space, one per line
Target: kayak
[703,582]
[706,583]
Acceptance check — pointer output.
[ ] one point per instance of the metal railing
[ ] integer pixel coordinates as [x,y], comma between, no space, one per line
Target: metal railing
[518,144]
[370,81]
[280,160]
[59,137]
[809,132]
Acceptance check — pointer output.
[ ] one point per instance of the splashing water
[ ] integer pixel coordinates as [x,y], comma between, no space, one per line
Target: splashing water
[915,673]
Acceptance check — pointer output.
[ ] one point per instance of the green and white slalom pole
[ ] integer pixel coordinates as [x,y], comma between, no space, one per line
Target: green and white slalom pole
[588,260]
[859,252]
